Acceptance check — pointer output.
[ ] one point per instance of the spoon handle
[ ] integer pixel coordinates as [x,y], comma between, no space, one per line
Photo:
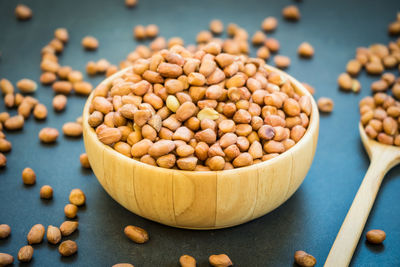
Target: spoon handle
[347,239]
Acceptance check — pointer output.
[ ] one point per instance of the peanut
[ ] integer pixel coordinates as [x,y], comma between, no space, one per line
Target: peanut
[40,112]
[376,236]
[67,248]
[5,231]
[27,86]
[6,86]
[77,197]
[70,211]
[36,234]
[109,135]
[136,234]
[6,259]
[221,260]
[59,102]
[53,235]
[28,176]
[83,158]
[72,129]
[25,254]
[23,12]
[131,3]
[68,227]
[48,135]
[187,261]
[304,259]
[90,43]
[291,13]
[305,50]
[281,62]
[325,104]
[46,192]
[3,160]
[269,24]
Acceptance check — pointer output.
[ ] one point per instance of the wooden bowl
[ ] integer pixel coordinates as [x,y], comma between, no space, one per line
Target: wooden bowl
[201,200]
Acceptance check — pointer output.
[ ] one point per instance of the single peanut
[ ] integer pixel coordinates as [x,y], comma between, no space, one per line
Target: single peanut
[48,135]
[6,259]
[23,12]
[68,227]
[27,86]
[72,129]
[46,192]
[25,253]
[67,248]
[28,176]
[187,261]
[77,197]
[36,234]
[136,234]
[53,235]
[325,104]
[83,158]
[304,259]
[59,102]
[221,260]
[5,231]
[90,43]
[376,236]
[70,211]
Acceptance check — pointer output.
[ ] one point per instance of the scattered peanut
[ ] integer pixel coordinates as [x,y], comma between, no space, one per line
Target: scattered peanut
[25,254]
[187,261]
[36,234]
[131,3]
[27,86]
[304,259]
[269,24]
[376,236]
[48,135]
[221,260]
[305,50]
[23,12]
[325,104]
[5,231]
[70,211]
[90,43]
[67,248]
[77,197]
[6,259]
[72,129]
[291,13]
[83,158]
[136,234]
[28,176]
[68,227]
[46,192]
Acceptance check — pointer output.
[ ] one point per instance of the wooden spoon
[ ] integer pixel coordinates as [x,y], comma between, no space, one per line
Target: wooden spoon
[383,158]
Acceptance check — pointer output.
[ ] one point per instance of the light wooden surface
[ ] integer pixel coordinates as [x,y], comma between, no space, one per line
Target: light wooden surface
[201,200]
[383,158]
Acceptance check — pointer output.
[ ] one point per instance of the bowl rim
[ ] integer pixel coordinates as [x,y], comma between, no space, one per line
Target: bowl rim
[312,127]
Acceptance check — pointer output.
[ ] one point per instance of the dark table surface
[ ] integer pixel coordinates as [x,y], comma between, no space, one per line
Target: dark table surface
[309,220]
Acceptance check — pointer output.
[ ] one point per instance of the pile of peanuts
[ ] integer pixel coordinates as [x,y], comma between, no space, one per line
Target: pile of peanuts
[380,113]
[207,110]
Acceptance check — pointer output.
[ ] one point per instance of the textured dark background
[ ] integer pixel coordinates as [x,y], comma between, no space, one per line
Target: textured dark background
[309,220]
